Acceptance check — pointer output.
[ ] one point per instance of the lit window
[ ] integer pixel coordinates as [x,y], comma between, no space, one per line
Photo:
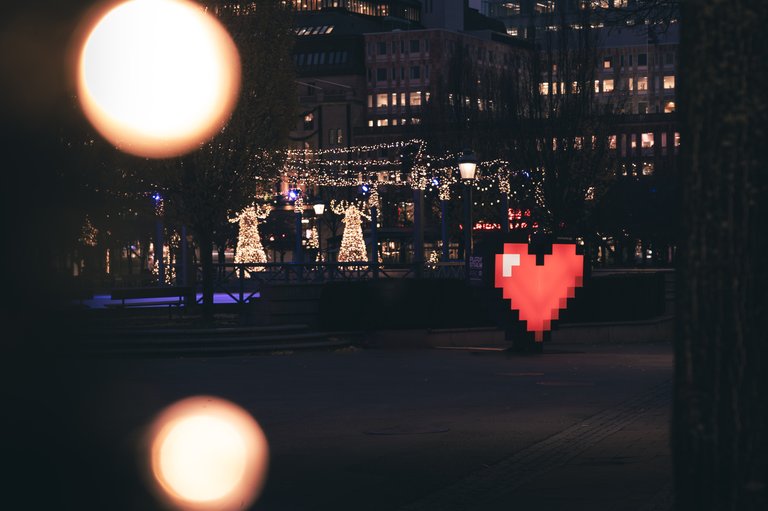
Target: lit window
[381,100]
[647,168]
[543,89]
[597,86]
[309,121]
[612,142]
[647,140]
[642,83]
[663,139]
[607,85]
[382,122]
[544,6]
[669,107]
[394,99]
[415,120]
[607,62]
[633,141]
[370,123]
[394,122]
[402,99]
[415,98]
[512,31]
[630,84]
[370,100]
[677,139]
[669,82]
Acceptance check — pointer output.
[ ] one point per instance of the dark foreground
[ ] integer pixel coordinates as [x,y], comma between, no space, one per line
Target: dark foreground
[578,428]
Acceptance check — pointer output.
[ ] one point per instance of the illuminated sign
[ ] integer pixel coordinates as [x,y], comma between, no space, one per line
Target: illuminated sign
[518,219]
[539,292]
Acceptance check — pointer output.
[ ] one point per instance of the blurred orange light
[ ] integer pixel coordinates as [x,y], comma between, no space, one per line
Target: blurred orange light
[157,77]
[207,453]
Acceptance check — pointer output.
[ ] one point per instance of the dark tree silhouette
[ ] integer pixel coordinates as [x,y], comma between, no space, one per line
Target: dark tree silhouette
[720,430]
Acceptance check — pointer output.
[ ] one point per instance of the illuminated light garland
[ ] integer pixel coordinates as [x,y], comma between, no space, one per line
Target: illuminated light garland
[249,248]
[352,166]
[88,233]
[170,271]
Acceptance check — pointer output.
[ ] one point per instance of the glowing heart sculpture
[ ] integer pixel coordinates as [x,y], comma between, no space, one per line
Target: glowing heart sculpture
[538,292]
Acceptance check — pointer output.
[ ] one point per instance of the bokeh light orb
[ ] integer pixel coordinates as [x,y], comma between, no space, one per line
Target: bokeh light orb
[207,453]
[157,77]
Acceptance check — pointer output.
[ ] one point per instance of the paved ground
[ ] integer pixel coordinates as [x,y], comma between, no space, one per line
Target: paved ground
[577,428]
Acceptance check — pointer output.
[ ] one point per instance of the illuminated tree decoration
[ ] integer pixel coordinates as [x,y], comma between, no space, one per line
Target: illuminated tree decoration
[88,233]
[170,269]
[352,241]
[249,248]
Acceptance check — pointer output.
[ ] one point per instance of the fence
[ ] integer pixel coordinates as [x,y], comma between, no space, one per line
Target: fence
[242,281]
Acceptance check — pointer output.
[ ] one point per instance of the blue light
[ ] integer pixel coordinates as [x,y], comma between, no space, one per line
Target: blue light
[365,188]
[157,197]
[293,194]
[435,181]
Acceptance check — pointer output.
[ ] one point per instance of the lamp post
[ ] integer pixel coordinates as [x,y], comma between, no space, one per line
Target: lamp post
[319,208]
[467,169]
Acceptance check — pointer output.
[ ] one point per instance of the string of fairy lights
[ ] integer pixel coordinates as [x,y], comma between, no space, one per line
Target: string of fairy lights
[413,166]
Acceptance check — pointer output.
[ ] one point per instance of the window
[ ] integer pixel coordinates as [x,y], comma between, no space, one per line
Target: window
[370,100]
[335,136]
[381,100]
[669,82]
[512,31]
[607,85]
[426,71]
[370,123]
[612,142]
[677,139]
[669,58]
[382,122]
[669,107]
[382,48]
[647,168]
[646,140]
[607,62]
[642,59]
[597,86]
[633,141]
[415,73]
[309,121]
[402,99]
[630,84]
[544,6]
[381,74]
[415,98]
[394,99]
[642,83]
[415,46]
[394,47]
[642,107]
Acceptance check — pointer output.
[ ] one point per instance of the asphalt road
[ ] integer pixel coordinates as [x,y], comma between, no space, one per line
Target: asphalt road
[578,428]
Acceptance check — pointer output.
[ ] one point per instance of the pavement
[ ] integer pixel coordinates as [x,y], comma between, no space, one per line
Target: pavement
[582,426]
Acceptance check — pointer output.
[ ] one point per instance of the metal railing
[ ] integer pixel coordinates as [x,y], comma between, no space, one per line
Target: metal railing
[242,281]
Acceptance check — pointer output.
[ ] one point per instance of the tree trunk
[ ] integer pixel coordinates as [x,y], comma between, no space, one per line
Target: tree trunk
[206,263]
[720,425]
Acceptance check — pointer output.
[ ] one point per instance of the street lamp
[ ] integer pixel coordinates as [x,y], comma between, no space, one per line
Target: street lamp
[319,208]
[467,169]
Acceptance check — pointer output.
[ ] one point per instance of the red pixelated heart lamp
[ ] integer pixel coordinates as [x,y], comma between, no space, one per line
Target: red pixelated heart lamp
[539,292]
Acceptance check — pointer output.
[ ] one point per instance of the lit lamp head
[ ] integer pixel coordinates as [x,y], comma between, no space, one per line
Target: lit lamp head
[467,165]
[319,208]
